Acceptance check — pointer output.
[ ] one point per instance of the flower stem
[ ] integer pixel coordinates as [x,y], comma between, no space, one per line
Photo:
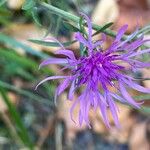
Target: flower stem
[76,19]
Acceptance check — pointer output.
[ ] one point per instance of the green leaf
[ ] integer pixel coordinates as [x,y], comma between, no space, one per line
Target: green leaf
[142,97]
[5,21]
[28,4]
[71,17]
[103,28]
[143,31]
[2,2]
[145,109]
[57,27]
[82,25]
[16,64]
[5,12]
[35,16]
[24,62]
[21,130]
[25,93]
[70,26]
[14,43]
[53,44]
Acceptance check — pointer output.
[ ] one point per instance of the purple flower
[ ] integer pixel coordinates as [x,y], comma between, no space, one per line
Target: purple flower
[99,70]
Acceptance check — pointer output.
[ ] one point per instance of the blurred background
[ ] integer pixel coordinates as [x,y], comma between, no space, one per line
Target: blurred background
[29,118]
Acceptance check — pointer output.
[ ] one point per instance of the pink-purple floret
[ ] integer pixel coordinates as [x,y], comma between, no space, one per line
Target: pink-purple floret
[99,70]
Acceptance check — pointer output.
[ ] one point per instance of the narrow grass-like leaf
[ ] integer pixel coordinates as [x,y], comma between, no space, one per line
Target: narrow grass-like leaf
[145,110]
[24,65]
[143,97]
[71,17]
[25,93]
[145,30]
[28,4]
[35,16]
[103,28]
[24,62]
[58,25]
[22,132]
[70,27]
[81,25]
[53,44]
[14,43]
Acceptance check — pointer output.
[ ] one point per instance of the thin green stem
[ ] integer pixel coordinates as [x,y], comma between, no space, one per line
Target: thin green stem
[76,19]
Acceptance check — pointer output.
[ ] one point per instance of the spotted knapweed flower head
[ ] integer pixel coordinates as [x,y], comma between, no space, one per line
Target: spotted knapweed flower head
[99,70]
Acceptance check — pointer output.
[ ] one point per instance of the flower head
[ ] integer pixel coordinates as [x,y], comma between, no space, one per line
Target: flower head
[99,70]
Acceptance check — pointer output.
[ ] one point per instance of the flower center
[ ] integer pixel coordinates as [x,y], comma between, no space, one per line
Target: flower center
[97,68]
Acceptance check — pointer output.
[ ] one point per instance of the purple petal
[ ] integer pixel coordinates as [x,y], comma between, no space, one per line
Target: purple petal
[81,39]
[113,109]
[87,114]
[129,38]
[98,43]
[80,118]
[83,104]
[102,99]
[53,61]
[103,110]
[118,97]
[134,45]
[121,32]
[139,53]
[68,53]
[138,64]
[127,97]
[72,109]
[89,26]
[133,35]
[95,98]
[71,91]
[63,86]
[51,78]
[86,43]
[135,86]
[112,48]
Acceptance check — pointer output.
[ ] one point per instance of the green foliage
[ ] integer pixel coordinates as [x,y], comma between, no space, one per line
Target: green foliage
[70,27]
[52,44]
[21,130]
[145,110]
[5,16]
[103,28]
[75,19]
[2,2]
[31,96]
[28,4]
[36,17]
[14,43]
[16,64]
